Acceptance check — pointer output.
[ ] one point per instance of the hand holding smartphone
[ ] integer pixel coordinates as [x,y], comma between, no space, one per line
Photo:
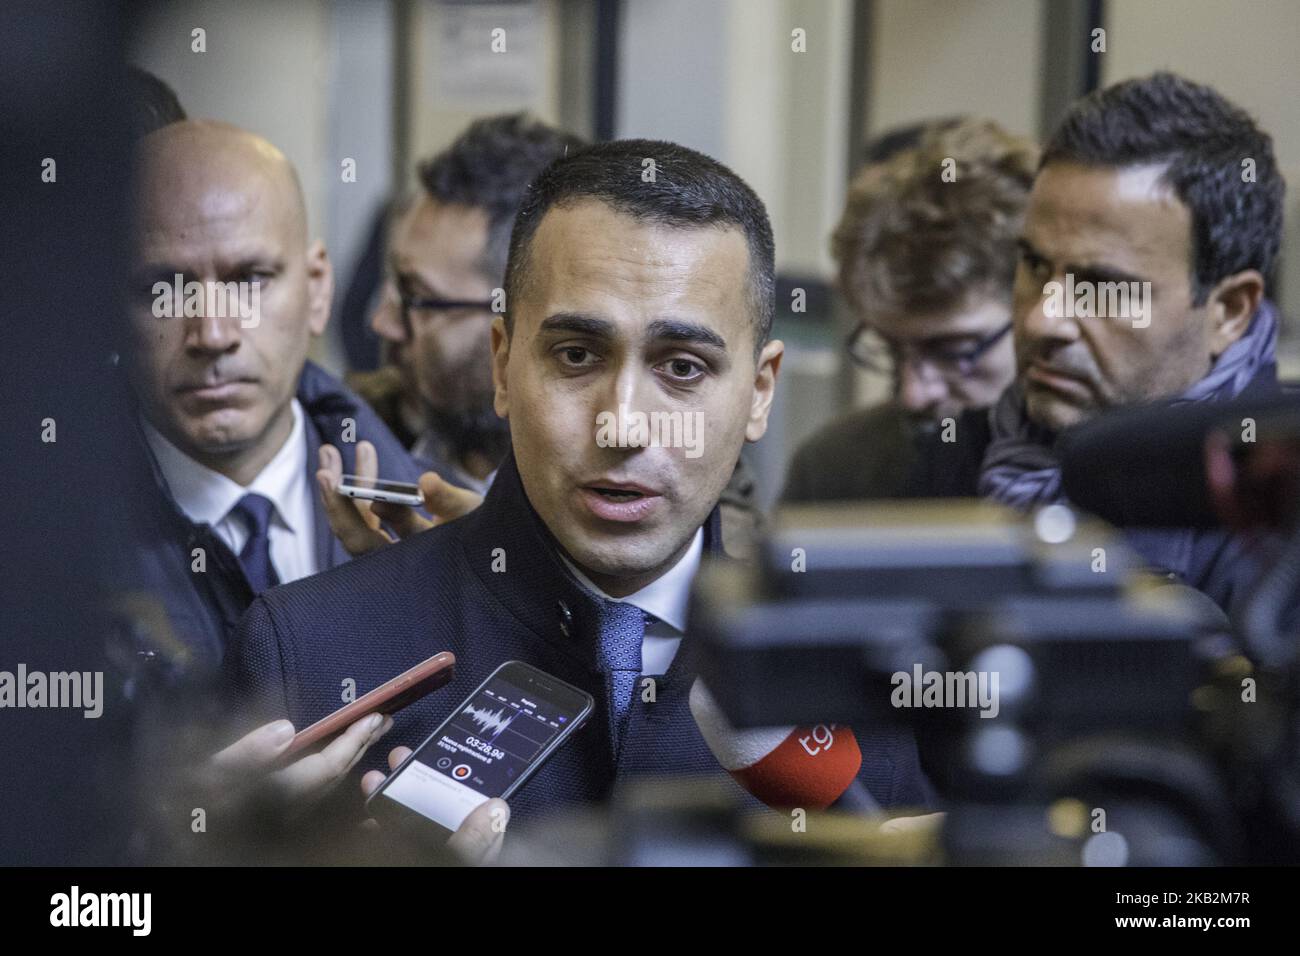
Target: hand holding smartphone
[493,741]
[388,698]
[377,489]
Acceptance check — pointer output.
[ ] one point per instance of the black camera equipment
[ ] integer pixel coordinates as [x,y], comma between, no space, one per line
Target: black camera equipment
[1070,707]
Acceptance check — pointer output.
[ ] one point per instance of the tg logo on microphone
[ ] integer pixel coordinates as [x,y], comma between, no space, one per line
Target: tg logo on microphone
[822,735]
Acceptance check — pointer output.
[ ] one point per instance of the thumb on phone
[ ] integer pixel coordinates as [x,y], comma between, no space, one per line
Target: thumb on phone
[478,840]
[373,778]
[445,501]
[257,749]
[442,499]
[315,774]
[352,522]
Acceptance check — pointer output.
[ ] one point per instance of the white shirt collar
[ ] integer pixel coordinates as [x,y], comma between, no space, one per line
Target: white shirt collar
[207,496]
[667,596]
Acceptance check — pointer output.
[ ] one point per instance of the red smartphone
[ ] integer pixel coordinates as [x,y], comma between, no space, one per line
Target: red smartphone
[388,698]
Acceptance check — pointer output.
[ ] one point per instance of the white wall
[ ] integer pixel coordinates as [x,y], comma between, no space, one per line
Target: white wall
[934,58]
[720,76]
[265,69]
[457,76]
[360,128]
[309,75]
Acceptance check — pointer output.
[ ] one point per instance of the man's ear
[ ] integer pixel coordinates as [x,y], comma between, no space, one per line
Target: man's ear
[760,406]
[320,287]
[1230,307]
[500,360]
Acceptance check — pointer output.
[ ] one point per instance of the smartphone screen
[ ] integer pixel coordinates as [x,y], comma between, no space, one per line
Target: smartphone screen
[489,745]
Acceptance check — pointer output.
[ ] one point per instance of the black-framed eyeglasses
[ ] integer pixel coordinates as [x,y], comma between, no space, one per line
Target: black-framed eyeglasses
[424,308]
[869,351]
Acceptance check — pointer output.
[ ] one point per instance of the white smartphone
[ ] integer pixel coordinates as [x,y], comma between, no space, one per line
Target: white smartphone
[376,489]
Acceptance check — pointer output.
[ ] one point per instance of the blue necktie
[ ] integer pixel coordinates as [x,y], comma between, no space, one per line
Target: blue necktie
[622,630]
[256,556]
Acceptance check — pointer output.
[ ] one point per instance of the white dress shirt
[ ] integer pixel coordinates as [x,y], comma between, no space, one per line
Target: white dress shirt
[666,598]
[207,496]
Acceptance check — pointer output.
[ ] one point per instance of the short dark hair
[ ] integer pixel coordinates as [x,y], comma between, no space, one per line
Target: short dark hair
[489,167]
[1205,140]
[151,103]
[687,190]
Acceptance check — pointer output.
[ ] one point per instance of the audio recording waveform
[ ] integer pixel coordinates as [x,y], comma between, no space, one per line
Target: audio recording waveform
[491,723]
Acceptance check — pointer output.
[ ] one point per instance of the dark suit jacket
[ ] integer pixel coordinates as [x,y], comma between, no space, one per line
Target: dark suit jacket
[203,608]
[378,615]
[878,452]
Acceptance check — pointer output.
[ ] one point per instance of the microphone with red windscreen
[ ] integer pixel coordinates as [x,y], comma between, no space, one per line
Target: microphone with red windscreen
[815,768]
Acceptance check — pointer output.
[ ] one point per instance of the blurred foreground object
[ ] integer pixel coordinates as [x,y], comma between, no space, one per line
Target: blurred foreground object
[1070,708]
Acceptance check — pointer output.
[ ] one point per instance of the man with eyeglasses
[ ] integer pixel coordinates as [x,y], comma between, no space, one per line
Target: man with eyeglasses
[446,261]
[926,250]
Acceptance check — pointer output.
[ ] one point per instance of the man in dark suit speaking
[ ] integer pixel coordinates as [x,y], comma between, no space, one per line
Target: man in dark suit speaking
[633,362]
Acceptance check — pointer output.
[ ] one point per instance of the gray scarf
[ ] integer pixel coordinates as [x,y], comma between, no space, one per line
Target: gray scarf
[1020,466]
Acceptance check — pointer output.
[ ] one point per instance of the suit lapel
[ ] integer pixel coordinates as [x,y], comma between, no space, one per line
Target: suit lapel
[329,551]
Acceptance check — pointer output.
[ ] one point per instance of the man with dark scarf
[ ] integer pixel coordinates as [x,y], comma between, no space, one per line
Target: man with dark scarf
[1164,186]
